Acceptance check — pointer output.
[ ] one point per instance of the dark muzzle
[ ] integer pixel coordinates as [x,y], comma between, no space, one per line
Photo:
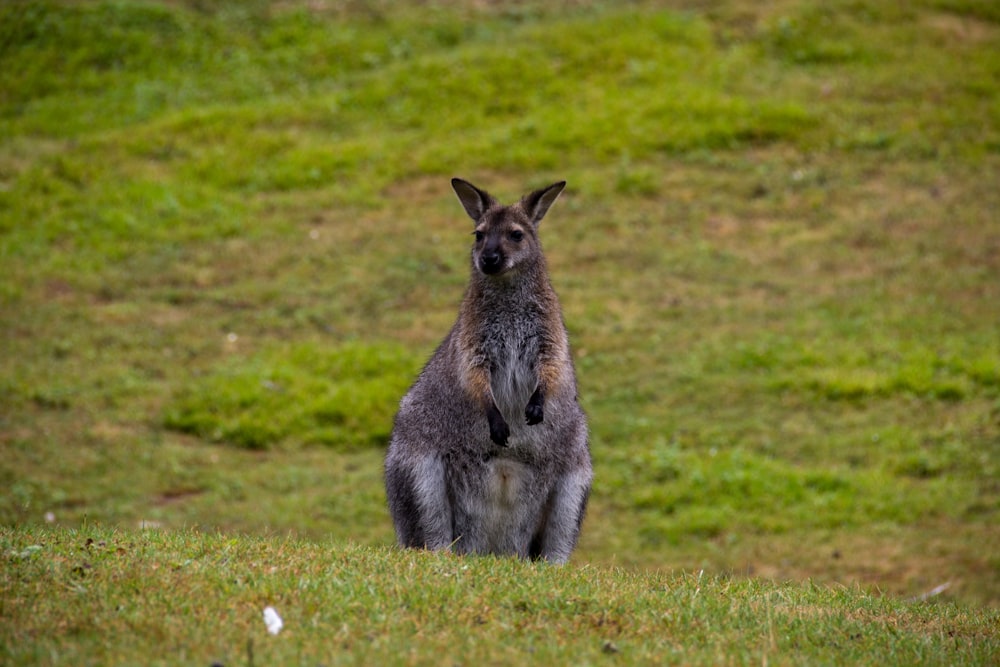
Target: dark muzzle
[490,262]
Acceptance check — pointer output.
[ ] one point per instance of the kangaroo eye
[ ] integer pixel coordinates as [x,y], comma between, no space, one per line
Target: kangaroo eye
[516,235]
[479,235]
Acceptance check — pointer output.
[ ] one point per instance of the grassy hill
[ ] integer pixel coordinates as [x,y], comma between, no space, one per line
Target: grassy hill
[228,244]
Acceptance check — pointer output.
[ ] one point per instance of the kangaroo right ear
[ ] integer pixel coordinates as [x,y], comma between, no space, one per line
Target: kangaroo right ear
[474,200]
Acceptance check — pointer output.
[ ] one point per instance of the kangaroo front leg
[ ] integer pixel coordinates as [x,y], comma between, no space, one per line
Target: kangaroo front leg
[499,430]
[550,376]
[477,382]
[534,413]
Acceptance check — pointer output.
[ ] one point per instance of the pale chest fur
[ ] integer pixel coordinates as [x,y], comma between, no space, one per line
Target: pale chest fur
[510,348]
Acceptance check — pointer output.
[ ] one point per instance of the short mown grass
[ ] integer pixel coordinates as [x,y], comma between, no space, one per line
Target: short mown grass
[228,245]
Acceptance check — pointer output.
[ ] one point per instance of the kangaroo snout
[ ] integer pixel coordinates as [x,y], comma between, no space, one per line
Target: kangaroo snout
[491,261]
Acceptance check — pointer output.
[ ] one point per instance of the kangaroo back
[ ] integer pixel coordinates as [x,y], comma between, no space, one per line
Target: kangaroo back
[489,448]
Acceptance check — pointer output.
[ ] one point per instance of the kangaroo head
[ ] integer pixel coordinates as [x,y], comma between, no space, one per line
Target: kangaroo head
[506,236]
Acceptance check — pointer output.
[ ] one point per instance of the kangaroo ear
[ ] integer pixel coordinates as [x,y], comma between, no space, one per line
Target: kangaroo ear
[474,200]
[537,204]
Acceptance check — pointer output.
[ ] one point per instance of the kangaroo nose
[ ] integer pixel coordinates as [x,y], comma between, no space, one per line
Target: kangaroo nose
[490,262]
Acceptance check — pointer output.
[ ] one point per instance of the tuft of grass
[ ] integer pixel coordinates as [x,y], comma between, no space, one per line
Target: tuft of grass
[951,369]
[340,397]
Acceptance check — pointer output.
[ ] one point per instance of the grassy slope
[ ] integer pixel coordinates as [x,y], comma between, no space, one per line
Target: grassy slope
[228,244]
[357,605]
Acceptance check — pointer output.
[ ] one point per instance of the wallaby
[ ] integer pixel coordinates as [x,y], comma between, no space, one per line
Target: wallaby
[489,450]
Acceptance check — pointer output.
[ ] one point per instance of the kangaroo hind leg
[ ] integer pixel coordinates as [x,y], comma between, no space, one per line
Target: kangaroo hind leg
[561,524]
[418,501]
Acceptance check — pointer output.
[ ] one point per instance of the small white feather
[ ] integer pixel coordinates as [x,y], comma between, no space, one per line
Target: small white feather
[272,620]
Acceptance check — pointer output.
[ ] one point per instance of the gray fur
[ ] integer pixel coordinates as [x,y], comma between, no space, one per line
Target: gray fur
[489,449]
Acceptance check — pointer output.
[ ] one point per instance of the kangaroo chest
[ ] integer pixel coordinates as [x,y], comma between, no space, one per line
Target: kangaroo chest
[513,355]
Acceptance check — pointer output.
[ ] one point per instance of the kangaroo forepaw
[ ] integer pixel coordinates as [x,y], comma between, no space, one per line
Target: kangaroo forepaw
[534,412]
[499,433]
[499,430]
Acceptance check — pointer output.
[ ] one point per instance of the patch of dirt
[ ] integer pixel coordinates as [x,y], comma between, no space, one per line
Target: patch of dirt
[174,496]
[965,29]
[938,560]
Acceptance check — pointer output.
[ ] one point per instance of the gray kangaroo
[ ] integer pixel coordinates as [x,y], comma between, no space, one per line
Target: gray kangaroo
[489,450]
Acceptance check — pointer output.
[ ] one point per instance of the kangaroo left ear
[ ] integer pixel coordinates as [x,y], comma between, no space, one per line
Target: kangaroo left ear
[537,204]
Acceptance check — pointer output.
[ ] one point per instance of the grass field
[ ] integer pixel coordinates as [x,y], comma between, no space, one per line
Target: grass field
[228,244]
[177,597]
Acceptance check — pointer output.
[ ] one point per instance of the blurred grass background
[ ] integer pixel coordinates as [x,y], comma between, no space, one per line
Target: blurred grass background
[228,245]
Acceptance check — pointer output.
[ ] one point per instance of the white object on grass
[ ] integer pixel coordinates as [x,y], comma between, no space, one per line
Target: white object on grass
[272,620]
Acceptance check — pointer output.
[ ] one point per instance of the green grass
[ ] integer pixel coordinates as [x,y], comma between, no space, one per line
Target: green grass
[340,397]
[228,244]
[196,598]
